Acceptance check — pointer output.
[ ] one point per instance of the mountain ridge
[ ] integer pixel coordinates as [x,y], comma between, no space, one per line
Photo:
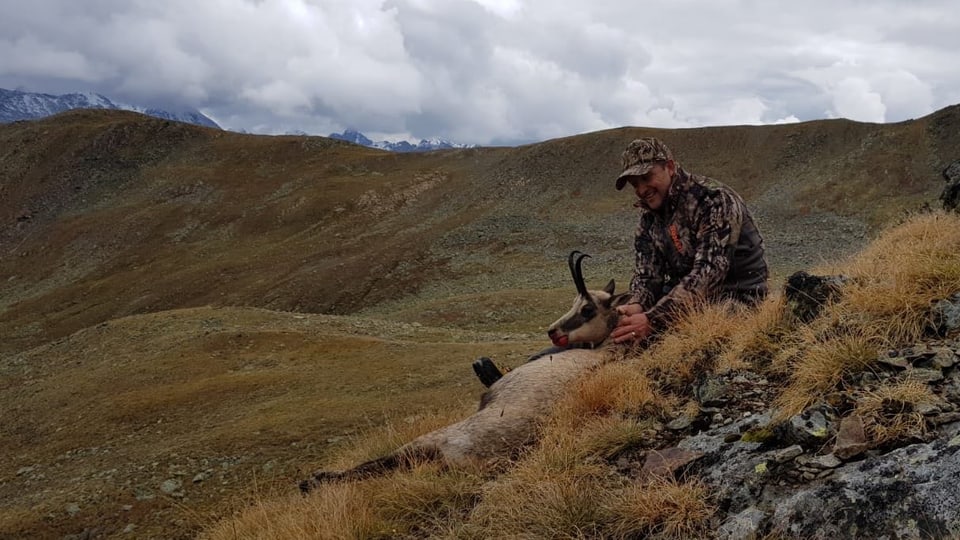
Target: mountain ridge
[16,105]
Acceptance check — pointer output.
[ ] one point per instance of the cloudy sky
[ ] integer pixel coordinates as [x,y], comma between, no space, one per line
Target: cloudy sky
[492,71]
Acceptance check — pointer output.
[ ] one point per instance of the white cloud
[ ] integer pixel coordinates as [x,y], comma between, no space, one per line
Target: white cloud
[904,94]
[484,71]
[854,99]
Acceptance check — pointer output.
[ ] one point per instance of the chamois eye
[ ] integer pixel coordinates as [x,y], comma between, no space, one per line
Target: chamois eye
[588,311]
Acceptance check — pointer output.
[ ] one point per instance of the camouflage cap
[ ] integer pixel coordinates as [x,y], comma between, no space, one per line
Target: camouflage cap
[640,156]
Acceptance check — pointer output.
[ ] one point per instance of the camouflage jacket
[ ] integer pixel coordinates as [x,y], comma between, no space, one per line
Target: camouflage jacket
[700,245]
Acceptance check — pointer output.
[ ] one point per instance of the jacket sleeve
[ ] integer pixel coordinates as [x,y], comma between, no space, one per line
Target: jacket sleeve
[717,221]
[648,271]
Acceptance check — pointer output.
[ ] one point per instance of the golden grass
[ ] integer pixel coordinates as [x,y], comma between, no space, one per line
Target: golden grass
[547,495]
[820,368]
[890,412]
[757,337]
[618,388]
[663,509]
[340,511]
[417,503]
[692,347]
[897,277]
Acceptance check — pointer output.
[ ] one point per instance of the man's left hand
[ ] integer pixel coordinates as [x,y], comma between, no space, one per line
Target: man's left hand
[633,325]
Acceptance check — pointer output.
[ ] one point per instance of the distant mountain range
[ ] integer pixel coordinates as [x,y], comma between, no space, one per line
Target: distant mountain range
[17,105]
[424,145]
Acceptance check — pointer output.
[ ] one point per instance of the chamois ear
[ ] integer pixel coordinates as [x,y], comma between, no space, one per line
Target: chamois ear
[609,288]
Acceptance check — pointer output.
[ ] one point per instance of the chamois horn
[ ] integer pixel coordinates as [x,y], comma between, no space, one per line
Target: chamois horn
[577,272]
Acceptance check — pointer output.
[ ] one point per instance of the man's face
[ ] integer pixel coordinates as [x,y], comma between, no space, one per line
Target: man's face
[651,188]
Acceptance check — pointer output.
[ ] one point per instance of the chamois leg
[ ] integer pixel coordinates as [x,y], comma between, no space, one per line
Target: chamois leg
[403,459]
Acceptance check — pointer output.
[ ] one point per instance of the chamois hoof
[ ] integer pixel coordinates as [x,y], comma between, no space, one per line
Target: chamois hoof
[487,371]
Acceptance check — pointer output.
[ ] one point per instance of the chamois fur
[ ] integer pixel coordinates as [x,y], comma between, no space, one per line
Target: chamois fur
[511,409]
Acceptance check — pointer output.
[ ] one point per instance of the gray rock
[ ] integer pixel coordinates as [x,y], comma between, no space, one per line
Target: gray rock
[944,357]
[945,315]
[668,462]
[893,359]
[826,461]
[809,429]
[711,392]
[171,486]
[742,526]
[806,294]
[911,492]
[923,375]
[786,454]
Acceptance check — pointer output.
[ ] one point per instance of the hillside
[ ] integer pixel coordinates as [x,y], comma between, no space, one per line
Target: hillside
[110,214]
[189,316]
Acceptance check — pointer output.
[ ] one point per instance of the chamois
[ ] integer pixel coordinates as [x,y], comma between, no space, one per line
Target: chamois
[510,410]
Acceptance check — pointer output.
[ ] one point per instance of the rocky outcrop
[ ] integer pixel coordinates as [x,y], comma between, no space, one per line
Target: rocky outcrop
[853,465]
[817,475]
[806,294]
[950,197]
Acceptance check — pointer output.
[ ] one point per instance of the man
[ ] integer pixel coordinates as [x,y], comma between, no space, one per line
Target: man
[695,242]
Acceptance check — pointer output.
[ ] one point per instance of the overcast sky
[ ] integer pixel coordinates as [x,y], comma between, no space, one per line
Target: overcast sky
[492,71]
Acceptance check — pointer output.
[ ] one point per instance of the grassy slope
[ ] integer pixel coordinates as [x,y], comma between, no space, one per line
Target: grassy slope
[568,487]
[108,414]
[123,365]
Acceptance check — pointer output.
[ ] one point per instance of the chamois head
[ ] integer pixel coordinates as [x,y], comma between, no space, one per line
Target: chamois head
[593,315]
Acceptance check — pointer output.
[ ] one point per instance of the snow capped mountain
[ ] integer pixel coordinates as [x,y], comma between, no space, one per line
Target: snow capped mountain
[16,105]
[354,137]
[424,145]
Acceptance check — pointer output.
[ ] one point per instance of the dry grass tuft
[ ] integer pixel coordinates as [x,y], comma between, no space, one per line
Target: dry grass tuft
[620,388]
[896,278]
[890,413]
[663,509]
[337,511]
[552,492]
[757,337]
[416,503]
[693,345]
[820,366]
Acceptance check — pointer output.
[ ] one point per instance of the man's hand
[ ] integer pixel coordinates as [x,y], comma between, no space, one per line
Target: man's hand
[633,324]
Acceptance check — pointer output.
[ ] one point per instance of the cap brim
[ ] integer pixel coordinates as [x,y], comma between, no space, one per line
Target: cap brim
[636,170]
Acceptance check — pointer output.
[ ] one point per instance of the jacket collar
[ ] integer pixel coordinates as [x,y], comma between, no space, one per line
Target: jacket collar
[678,186]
